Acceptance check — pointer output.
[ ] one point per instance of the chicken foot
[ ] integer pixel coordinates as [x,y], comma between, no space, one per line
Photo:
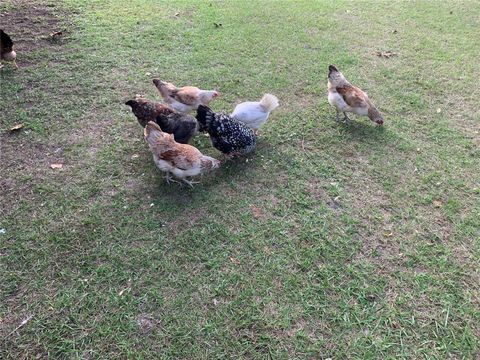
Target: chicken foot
[169,178]
[190,182]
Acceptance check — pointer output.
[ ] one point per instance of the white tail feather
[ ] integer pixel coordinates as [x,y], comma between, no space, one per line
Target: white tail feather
[269,102]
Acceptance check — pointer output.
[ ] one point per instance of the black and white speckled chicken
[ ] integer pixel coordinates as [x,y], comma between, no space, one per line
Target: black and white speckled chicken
[228,135]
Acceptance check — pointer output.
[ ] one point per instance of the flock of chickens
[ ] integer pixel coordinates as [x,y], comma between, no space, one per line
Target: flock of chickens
[168,127]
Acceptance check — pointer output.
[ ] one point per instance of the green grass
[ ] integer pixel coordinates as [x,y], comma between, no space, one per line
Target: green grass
[330,241]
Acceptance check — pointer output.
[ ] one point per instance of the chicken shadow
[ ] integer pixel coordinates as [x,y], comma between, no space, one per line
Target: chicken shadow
[361,131]
[230,169]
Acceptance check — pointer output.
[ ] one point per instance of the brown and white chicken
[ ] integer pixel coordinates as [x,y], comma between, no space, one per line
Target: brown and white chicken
[184,99]
[348,98]
[7,52]
[179,160]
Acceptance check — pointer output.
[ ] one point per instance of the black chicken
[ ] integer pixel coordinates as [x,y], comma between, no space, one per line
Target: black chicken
[7,52]
[182,126]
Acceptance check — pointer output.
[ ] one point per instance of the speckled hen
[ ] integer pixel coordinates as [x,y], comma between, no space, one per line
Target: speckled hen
[228,135]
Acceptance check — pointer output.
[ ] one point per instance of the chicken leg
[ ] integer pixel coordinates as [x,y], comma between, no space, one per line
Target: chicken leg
[338,116]
[169,178]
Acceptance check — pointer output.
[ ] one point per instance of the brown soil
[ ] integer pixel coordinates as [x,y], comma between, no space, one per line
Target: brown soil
[30,24]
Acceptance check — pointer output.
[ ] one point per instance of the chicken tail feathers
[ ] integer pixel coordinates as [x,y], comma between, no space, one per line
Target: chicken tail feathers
[204,116]
[269,102]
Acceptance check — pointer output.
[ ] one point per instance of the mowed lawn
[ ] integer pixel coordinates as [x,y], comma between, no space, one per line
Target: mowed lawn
[330,241]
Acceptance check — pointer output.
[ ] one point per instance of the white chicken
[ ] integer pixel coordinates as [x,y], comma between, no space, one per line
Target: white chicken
[255,113]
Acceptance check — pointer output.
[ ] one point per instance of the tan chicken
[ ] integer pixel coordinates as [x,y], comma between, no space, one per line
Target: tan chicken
[348,98]
[7,52]
[184,99]
[179,160]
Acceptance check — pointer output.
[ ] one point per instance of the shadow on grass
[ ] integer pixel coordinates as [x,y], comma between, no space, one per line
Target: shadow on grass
[366,132]
[230,171]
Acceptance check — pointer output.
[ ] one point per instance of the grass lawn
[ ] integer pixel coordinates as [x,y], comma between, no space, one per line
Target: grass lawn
[330,241]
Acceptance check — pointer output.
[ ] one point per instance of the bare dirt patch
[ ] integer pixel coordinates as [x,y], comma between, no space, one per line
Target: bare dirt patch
[30,24]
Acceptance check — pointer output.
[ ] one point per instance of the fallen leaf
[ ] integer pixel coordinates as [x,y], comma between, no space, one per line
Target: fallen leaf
[56,166]
[437,203]
[385,54]
[390,234]
[120,293]
[235,261]
[16,127]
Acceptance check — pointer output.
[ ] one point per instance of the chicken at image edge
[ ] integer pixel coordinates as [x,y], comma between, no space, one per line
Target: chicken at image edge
[255,113]
[184,99]
[7,49]
[179,160]
[348,98]
[228,135]
[182,126]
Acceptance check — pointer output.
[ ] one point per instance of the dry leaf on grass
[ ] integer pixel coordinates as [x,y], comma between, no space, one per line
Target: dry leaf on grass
[235,261]
[437,203]
[385,54]
[16,127]
[56,166]
[120,293]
